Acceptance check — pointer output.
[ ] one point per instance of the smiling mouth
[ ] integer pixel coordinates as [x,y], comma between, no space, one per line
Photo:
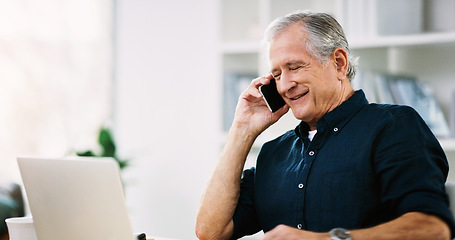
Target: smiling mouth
[299,96]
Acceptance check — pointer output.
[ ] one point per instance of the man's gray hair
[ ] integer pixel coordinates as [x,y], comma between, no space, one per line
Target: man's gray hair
[324,35]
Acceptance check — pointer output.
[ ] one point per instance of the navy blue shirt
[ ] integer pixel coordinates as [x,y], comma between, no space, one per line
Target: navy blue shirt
[367,164]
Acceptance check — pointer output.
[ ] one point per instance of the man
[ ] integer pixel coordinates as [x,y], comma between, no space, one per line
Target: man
[350,170]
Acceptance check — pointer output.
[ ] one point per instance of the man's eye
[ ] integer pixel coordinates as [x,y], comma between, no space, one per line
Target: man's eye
[276,76]
[294,68]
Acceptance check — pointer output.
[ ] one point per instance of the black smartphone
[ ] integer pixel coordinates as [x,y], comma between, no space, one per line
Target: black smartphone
[271,96]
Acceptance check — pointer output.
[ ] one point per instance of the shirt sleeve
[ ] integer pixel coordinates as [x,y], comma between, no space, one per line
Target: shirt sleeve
[412,167]
[245,218]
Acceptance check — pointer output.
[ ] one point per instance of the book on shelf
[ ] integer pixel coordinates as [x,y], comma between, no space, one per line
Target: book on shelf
[373,18]
[440,16]
[404,90]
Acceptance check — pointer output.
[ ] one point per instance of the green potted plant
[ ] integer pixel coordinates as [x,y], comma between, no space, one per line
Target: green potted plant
[108,148]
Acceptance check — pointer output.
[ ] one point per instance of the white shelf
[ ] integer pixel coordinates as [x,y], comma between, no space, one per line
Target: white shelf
[357,43]
[403,41]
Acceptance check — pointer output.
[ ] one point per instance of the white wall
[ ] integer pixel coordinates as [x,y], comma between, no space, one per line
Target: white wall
[166,109]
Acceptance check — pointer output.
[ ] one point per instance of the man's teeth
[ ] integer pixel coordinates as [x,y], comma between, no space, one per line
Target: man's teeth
[301,95]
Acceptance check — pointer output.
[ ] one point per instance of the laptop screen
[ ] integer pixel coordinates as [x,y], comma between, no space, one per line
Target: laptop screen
[76,198]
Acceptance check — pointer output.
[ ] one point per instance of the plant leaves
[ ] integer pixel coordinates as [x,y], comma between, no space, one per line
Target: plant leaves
[86,154]
[107,143]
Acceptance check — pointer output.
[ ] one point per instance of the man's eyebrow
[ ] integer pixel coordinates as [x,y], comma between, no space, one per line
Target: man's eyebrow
[291,63]
[295,62]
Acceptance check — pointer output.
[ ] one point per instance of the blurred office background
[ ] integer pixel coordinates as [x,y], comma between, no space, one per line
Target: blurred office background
[164,76]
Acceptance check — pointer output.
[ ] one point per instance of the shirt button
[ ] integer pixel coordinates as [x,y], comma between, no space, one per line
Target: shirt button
[299,226]
[311,153]
[301,185]
[335,129]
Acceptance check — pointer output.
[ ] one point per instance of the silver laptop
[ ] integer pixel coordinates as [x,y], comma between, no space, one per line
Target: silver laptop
[76,198]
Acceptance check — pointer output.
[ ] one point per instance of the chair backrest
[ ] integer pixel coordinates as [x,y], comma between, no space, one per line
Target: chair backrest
[11,204]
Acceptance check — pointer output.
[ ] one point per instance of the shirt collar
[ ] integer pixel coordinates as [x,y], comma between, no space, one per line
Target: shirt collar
[338,117]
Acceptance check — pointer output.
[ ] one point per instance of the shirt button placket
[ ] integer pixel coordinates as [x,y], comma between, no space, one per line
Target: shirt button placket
[309,156]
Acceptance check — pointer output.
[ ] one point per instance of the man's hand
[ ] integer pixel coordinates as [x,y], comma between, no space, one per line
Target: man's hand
[283,232]
[220,198]
[413,225]
[252,112]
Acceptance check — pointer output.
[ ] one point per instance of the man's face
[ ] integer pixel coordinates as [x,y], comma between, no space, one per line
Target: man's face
[309,88]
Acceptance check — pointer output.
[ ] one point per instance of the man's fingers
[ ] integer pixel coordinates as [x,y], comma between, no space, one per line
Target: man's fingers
[264,80]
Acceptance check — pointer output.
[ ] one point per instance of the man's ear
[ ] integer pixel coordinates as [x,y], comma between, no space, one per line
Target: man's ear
[340,58]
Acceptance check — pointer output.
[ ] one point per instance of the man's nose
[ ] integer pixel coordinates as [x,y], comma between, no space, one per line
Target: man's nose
[286,83]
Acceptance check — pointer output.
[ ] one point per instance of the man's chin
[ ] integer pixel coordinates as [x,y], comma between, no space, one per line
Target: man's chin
[300,114]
